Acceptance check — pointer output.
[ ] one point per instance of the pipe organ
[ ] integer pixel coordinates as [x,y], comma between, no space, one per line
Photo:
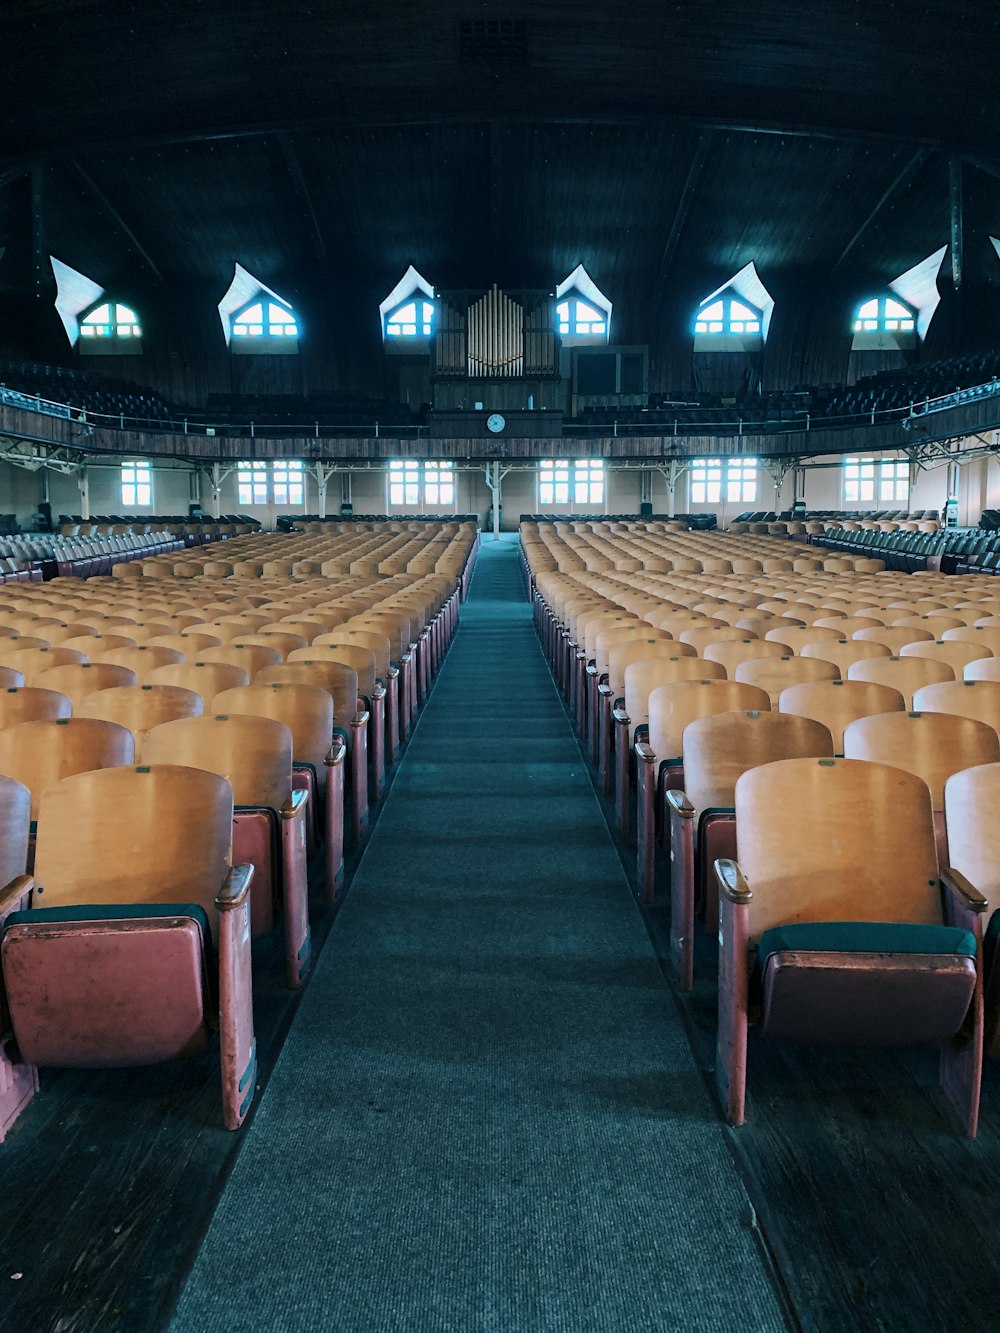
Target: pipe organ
[495,335]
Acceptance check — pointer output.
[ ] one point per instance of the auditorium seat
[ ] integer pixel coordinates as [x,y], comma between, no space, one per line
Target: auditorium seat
[854,941]
[79,679]
[133,949]
[836,703]
[717,750]
[141,707]
[906,674]
[979,699]
[206,679]
[971,802]
[932,746]
[18,1080]
[774,674]
[254,755]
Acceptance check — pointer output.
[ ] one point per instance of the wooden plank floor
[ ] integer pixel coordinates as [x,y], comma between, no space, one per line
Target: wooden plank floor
[109,1178]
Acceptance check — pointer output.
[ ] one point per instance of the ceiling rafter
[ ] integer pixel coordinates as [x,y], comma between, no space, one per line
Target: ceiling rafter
[112,213]
[906,173]
[301,187]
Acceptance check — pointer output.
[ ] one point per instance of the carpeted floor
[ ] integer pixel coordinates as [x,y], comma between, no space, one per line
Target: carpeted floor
[486,1115]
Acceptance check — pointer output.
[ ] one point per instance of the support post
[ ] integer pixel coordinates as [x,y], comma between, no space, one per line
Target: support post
[494,480]
[83,481]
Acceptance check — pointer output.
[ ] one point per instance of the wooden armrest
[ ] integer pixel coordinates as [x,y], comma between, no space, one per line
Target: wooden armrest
[360,719]
[235,888]
[644,752]
[621,717]
[731,883]
[336,753]
[296,802]
[12,892]
[967,893]
[680,804]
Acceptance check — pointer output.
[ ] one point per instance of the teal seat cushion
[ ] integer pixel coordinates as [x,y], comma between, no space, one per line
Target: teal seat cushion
[112,912]
[866,937]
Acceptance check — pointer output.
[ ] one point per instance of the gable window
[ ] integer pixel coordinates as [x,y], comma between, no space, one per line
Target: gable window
[741,481]
[265,319]
[137,485]
[580,319]
[558,479]
[706,481]
[439,483]
[111,320]
[727,315]
[415,319]
[251,482]
[287,484]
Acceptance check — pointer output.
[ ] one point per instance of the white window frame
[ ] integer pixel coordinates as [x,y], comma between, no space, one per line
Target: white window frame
[288,482]
[121,322]
[413,483]
[859,479]
[136,479]
[894,482]
[706,481]
[580,481]
[270,328]
[741,480]
[251,483]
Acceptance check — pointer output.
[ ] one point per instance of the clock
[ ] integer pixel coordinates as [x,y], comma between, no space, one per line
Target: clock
[495,422]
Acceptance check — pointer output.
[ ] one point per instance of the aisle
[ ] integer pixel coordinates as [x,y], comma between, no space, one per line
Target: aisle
[486,1115]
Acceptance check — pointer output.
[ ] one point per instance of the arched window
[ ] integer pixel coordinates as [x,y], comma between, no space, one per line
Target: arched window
[111,319]
[265,318]
[577,318]
[884,314]
[414,319]
[727,314]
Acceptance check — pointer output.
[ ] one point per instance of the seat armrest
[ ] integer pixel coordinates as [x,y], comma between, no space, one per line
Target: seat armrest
[679,804]
[379,691]
[967,894]
[235,889]
[645,752]
[621,717]
[591,668]
[336,753]
[12,893]
[605,691]
[295,803]
[361,718]
[731,883]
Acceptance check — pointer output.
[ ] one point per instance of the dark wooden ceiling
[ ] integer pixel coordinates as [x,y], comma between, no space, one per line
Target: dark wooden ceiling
[154,143]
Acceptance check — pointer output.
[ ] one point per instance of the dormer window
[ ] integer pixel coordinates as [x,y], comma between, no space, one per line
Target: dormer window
[415,319]
[727,315]
[111,320]
[579,319]
[265,319]
[884,314]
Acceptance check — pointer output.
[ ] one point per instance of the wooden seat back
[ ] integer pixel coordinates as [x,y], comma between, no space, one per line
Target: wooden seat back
[931,745]
[360,660]
[190,645]
[774,674]
[38,754]
[797,639]
[719,748]
[646,675]
[729,653]
[971,802]
[953,652]
[376,644]
[253,754]
[251,657]
[817,842]
[142,659]
[338,679]
[306,710]
[906,674]
[673,707]
[79,679]
[979,699]
[141,707]
[204,678]
[836,703]
[134,835]
[843,654]
[895,637]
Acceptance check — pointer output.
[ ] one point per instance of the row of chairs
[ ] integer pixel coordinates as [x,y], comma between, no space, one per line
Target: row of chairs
[799,747]
[158,812]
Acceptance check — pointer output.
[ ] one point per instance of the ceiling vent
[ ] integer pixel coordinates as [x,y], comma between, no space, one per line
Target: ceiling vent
[503,40]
